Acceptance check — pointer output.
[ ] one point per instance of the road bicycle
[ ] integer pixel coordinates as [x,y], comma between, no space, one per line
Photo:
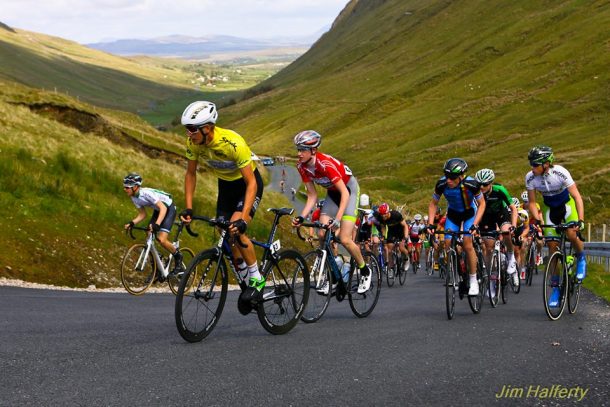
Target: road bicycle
[456,279]
[142,265]
[326,280]
[531,265]
[401,264]
[498,274]
[283,298]
[560,274]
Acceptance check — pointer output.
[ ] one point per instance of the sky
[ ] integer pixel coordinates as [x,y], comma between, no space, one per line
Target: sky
[88,21]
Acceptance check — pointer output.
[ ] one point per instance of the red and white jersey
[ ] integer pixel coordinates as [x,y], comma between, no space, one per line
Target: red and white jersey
[327,171]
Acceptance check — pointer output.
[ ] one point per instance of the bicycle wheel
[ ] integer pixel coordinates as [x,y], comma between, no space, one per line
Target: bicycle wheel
[285,294]
[555,278]
[363,304]
[317,303]
[173,280]
[450,284]
[530,264]
[198,310]
[402,273]
[137,272]
[430,262]
[573,289]
[476,301]
[390,275]
[494,280]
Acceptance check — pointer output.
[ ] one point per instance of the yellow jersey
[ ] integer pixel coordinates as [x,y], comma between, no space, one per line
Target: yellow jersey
[226,154]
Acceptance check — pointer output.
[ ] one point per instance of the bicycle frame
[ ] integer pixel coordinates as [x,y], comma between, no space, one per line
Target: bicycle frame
[151,247]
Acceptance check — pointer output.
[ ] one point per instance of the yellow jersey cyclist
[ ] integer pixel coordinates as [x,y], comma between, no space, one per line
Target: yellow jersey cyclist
[561,203]
[500,213]
[240,186]
[341,202]
[164,213]
[466,206]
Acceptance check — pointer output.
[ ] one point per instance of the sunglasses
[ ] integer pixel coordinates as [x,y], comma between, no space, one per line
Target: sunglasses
[486,184]
[192,129]
[303,149]
[535,164]
[452,176]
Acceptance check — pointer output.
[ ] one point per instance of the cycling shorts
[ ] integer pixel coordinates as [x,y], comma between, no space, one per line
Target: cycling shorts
[333,199]
[558,215]
[456,227]
[231,196]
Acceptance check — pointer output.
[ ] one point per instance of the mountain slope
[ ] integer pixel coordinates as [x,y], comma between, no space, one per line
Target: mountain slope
[397,87]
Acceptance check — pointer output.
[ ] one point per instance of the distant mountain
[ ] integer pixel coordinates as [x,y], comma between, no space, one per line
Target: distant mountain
[185,46]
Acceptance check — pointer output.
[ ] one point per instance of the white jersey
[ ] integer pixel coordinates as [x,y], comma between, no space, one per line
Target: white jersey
[553,185]
[149,197]
[416,229]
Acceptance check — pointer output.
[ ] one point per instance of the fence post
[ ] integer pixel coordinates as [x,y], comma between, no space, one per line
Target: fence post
[604,233]
[589,233]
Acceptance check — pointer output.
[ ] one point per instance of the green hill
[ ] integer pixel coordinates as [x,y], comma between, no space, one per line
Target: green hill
[396,87]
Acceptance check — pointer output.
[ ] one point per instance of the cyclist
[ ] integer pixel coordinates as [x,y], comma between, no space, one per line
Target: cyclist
[341,203]
[240,186]
[393,229]
[536,233]
[463,194]
[164,212]
[416,229]
[561,203]
[521,239]
[500,213]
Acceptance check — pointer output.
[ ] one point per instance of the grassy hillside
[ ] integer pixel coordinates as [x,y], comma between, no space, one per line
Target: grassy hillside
[396,87]
[62,206]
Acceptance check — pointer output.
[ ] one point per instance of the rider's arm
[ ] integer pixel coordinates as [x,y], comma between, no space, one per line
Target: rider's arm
[580,207]
[190,181]
[312,199]
[432,210]
[248,175]
[405,228]
[513,215]
[140,217]
[480,209]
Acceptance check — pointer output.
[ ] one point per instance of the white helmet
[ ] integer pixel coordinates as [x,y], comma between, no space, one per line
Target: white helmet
[515,201]
[525,197]
[199,113]
[523,215]
[485,176]
[364,200]
[308,139]
[417,217]
[426,218]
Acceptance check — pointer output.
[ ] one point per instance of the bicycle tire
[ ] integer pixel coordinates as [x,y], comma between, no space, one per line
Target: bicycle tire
[173,280]
[476,301]
[503,281]
[402,274]
[430,262]
[450,285]
[363,304]
[555,266]
[573,289]
[285,294]
[136,282]
[494,280]
[317,303]
[391,274]
[198,310]
[531,264]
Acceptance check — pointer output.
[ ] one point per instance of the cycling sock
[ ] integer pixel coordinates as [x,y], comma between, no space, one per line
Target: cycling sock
[253,272]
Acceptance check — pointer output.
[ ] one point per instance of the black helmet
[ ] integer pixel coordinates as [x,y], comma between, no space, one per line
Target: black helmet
[540,155]
[132,179]
[455,166]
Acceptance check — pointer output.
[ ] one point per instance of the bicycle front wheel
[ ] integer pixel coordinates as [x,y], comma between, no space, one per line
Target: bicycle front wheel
[402,270]
[362,304]
[450,284]
[173,280]
[319,276]
[554,287]
[198,310]
[390,275]
[137,269]
[286,291]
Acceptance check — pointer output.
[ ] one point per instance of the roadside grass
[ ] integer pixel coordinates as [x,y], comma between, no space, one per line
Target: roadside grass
[598,281]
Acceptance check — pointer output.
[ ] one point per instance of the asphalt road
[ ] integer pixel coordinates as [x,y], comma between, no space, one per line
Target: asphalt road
[76,348]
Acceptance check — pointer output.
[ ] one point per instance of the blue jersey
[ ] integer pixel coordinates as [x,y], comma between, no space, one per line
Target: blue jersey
[461,198]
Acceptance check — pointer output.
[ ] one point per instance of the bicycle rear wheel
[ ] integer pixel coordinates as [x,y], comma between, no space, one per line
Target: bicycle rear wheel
[285,294]
[555,278]
[138,272]
[363,304]
[531,264]
[573,289]
[319,275]
[476,301]
[173,280]
[450,284]
[391,274]
[198,310]
[430,262]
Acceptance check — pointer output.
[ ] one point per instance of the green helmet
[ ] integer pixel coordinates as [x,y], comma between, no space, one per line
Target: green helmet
[540,155]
